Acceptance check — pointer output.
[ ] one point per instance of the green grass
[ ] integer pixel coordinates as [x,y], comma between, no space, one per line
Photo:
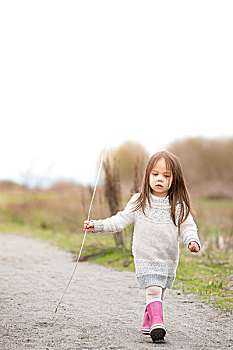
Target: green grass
[210,279]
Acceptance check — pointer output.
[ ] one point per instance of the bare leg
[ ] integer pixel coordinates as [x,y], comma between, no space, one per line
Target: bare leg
[163,292]
[153,292]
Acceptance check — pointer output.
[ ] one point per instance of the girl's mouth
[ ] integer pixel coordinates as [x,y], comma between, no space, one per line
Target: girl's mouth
[159,186]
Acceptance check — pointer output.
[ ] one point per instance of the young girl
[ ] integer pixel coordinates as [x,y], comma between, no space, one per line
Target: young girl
[161,213]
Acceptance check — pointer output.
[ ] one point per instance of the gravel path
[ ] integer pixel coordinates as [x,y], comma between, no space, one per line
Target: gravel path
[102,309]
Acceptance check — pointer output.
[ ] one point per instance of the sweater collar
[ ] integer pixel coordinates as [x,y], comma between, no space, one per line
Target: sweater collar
[156,198]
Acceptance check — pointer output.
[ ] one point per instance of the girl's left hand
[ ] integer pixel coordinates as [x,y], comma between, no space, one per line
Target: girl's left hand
[194,247]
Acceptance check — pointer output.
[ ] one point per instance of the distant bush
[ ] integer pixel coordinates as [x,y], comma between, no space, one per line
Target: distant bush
[207,165]
[7,185]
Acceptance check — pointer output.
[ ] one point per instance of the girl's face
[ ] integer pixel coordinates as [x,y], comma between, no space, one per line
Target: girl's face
[160,179]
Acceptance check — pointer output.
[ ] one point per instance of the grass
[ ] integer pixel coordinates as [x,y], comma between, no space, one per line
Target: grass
[57,217]
[211,279]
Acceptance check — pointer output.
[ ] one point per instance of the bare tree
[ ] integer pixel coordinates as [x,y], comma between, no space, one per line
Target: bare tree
[113,193]
[127,155]
[137,175]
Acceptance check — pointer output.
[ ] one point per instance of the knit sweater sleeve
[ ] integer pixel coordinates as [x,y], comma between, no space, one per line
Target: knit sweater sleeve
[188,231]
[118,222]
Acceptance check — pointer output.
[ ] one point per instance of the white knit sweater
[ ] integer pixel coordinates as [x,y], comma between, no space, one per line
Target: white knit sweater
[155,239]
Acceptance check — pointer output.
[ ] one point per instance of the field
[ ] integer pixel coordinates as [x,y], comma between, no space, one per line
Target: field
[57,215]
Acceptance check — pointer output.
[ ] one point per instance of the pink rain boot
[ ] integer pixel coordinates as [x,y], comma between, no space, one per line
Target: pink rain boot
[155,312]
[146,324]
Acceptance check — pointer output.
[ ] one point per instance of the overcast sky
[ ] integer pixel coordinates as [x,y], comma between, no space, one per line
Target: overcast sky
[78,76]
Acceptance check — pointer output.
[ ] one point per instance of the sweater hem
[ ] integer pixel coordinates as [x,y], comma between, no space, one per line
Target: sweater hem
[162,281]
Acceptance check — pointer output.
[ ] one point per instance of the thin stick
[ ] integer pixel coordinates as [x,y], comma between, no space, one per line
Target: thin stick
[88,218]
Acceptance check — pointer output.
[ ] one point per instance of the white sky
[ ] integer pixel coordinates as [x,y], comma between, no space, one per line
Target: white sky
[76,76]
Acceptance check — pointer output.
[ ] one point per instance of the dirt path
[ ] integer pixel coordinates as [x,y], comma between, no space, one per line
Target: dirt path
[102,309]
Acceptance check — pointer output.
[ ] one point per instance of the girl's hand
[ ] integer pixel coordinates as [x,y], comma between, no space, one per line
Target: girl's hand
[194,247]
[89,226]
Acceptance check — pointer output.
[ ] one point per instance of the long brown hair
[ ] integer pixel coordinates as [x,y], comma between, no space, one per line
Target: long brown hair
[177,193]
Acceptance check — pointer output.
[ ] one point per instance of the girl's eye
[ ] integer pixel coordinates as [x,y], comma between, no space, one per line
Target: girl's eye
[167,175]
[154,174]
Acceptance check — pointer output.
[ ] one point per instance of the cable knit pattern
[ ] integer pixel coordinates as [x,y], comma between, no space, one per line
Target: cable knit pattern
[155,239]
[160,212]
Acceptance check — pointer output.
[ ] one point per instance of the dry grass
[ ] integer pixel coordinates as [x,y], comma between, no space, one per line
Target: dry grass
[215,223]
[62,207]
[65,206]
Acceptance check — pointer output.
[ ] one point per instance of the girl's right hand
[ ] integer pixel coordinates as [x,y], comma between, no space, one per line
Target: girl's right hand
[89,226]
